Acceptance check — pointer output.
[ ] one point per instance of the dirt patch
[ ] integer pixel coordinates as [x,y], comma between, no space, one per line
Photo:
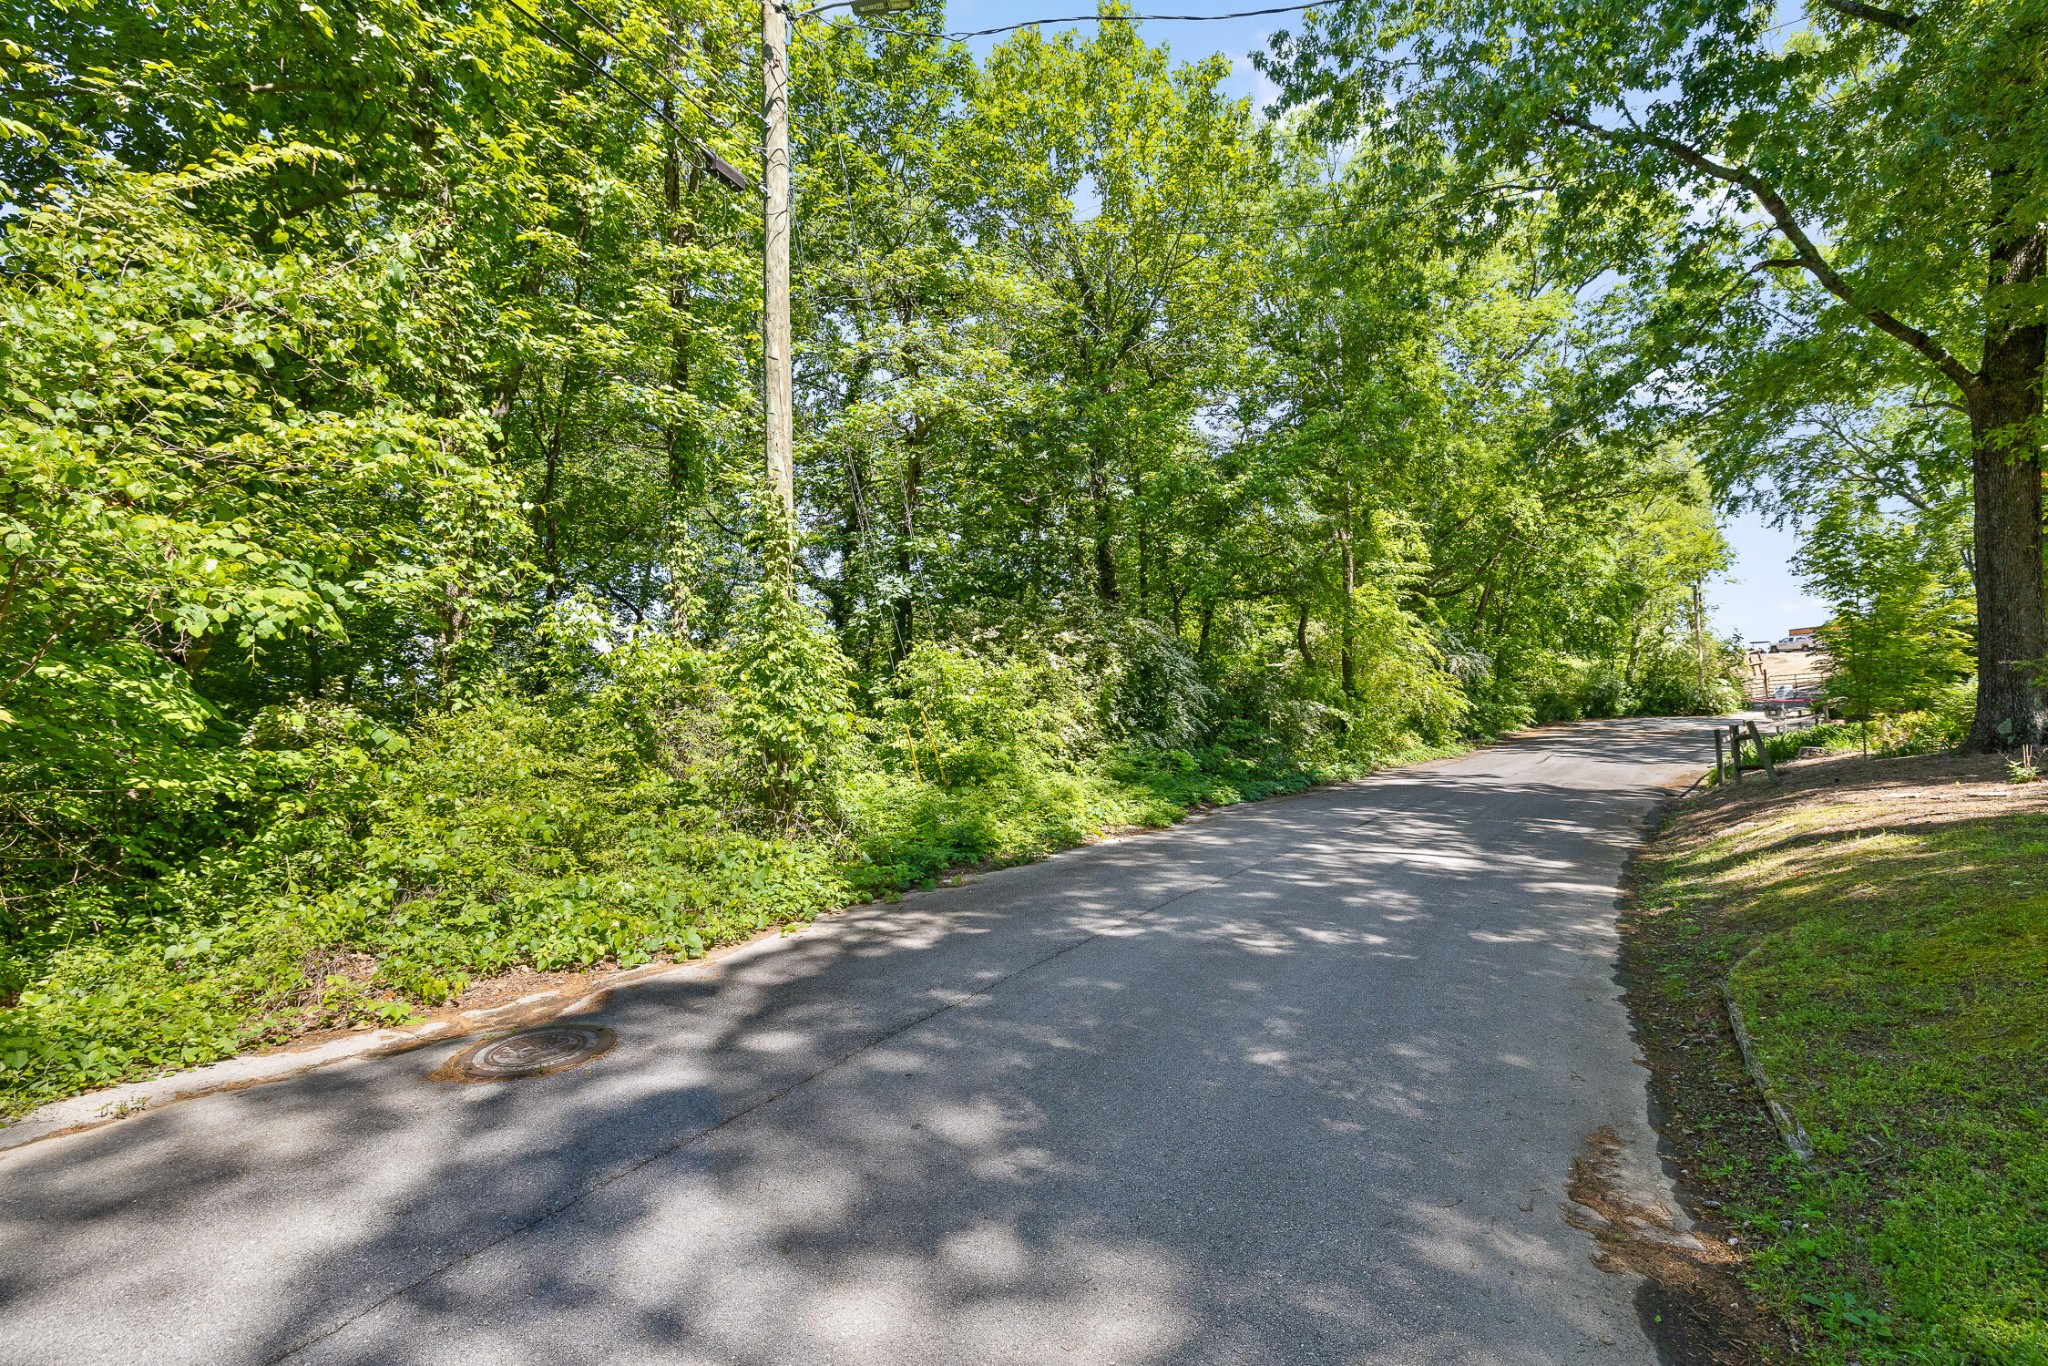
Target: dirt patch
[1924,788]
[1698,1309]
[519,983]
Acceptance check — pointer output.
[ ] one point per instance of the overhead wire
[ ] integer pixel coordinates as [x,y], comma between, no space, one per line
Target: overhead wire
[565,45]
[956,35]
[733,89]
[710,73]
[717,120]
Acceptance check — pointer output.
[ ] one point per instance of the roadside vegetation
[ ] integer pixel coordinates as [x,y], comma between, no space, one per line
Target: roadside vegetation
[1883,926]
[351,874]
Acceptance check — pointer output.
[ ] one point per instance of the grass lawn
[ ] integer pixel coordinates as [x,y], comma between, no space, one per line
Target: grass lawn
[1884,927]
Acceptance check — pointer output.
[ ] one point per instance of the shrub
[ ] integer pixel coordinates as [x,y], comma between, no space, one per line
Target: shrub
[971,718]
[787,709]
[1154,693]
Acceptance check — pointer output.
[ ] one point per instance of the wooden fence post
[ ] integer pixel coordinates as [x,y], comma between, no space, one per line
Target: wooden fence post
[1720,768]
[1763,752]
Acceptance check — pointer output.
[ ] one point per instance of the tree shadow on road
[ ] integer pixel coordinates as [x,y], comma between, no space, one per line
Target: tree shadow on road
[1288,1084]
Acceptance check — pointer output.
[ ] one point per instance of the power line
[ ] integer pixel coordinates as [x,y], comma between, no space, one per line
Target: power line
[599,67]
[656,72]
[710,72]
[719,166]
[956,35]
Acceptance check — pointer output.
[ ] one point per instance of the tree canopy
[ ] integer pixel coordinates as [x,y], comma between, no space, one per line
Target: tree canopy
[1842,207]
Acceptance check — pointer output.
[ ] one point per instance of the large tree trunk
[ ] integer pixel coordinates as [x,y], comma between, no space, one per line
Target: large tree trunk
[1349,665]
[2012,606]
[1105,547]
[2012,619]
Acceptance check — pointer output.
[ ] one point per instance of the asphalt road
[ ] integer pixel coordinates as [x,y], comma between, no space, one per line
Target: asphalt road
[1294,1082]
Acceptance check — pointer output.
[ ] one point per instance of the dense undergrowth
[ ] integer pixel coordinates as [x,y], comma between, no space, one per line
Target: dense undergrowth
[1884,927]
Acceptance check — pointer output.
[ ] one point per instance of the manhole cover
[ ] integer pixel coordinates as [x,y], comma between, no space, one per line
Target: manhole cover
[529,1053]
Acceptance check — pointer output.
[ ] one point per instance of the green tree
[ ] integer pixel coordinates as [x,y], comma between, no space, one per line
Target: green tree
[1900,632]
[210,476]
[1883,168]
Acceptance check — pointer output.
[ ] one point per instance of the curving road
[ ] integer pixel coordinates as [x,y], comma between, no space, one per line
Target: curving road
[1295,1082]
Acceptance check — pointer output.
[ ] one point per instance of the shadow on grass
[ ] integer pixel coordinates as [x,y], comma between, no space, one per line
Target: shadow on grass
[1888,940]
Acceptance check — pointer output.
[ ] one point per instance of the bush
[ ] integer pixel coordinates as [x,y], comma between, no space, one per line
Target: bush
[1667,682]
[1154,693]
[787,708]
[652,799]
[1943,727]
[960,718]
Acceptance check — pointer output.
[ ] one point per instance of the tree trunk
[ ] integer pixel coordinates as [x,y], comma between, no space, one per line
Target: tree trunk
[1105,551]
[548,530]
[1348,665]
[2012,607]
[2012,618]
[1144,568]
[903,607]
[1699,635]
[681,233]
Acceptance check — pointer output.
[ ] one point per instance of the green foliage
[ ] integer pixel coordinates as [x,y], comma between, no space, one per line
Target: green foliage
[1825,303]
[1901,595]
[203,464]
[1937,729]
[786,685]
[614,820]
[956,718]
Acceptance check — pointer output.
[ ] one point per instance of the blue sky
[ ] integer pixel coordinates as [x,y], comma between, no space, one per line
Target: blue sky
[1758,599]
[1235,38]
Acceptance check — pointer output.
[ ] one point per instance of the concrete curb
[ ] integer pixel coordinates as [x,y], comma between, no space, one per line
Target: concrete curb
[95,1108]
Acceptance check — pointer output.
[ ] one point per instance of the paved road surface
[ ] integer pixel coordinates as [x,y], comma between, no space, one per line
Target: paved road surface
[1296,1082]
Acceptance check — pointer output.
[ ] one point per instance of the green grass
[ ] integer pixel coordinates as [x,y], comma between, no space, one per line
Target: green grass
[1893,964]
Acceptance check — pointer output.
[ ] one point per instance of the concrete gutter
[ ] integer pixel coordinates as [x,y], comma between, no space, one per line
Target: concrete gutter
[95,1108]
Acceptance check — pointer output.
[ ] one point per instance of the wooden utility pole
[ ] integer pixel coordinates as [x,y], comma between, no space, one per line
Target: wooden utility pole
[778,393]
[1699,633]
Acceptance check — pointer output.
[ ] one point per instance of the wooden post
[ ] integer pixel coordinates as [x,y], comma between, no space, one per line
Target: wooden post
[1720,767]
[1763,752]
